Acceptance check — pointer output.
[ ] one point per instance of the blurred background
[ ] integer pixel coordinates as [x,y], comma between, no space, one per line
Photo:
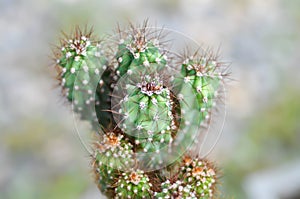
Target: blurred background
[258,152]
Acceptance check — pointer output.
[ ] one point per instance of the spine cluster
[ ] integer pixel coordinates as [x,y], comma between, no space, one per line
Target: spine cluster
[145,117]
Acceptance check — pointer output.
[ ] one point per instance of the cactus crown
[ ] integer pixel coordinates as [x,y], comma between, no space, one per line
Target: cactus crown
[145,122]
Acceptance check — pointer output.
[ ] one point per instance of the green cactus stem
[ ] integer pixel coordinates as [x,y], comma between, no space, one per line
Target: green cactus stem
[195,179]
[80,65]
[200,175]
[113,153]
[147,108]
[203,75]
[136,50]
[133,184]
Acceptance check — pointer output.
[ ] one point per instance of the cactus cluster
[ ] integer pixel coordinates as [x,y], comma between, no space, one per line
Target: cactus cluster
[146,118]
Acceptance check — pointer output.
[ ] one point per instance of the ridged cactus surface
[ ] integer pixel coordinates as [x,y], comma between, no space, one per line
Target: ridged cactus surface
[136,51]
[133,184]
[80,63]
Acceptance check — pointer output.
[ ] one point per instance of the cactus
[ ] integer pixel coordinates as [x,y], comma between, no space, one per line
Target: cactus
[146,119]
[204,78]
[133,184]
[112,153]
[136,51]
[195,178]
[79,65]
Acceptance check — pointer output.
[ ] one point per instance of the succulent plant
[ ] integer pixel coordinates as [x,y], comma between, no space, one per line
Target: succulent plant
[112,153]
[146,118]
[80,63]
[137,50]
[195,178]
[200,176]
[202,74]
[133,184]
